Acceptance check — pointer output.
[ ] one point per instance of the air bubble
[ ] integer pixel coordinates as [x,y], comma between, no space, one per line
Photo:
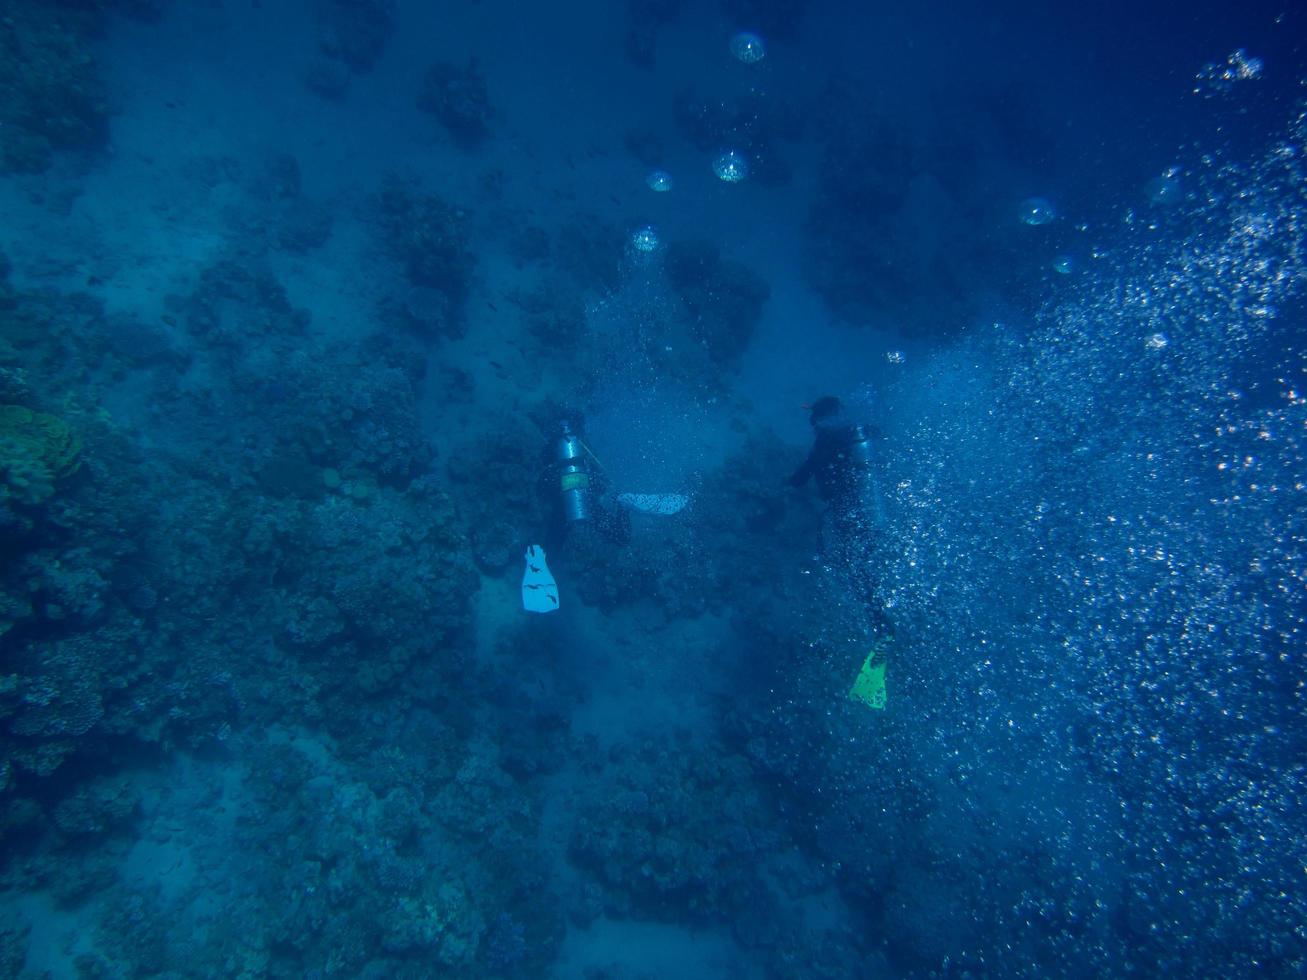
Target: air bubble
[645,239]
[748,48]
[1036,211]
[731,167]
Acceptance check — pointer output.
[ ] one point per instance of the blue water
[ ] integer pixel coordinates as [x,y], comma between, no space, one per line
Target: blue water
[294,300]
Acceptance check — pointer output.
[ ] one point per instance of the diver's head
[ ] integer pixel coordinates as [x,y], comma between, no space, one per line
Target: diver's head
[824,410]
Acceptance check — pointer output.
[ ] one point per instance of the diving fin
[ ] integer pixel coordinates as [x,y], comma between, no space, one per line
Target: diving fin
[662,504]
[869,686]
[539,590]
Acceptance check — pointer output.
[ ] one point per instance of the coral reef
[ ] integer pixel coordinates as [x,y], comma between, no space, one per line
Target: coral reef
[51,97]
[497,479]
[674,831]
[97,605]
[429,239]
[37,451]
[459,100]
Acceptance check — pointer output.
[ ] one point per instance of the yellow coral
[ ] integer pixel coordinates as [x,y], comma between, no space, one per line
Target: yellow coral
[36,452]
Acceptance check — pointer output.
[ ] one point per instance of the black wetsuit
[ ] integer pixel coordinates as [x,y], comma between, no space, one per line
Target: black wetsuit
[840,464]
[840,472]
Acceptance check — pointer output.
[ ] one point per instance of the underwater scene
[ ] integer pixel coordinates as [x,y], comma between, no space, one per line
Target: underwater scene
[639,489]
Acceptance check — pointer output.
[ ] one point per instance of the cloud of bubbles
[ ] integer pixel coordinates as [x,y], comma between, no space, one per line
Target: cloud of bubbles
[1099,535]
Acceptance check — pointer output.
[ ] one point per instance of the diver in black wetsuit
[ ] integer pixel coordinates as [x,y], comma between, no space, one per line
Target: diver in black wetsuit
[841,464]
[840,461]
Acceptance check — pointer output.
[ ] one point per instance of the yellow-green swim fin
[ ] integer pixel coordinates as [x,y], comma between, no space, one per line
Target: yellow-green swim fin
[869,686]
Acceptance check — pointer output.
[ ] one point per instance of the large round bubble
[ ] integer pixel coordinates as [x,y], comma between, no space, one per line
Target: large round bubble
[660,181]
[1036,211]
[645,239]
[748,48]
[731,167]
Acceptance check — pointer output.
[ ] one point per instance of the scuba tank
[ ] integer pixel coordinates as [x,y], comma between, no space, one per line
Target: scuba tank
[860,457]
[573,476]
[859,451]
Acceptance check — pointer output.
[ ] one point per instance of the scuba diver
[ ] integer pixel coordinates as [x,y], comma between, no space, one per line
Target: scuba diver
[581,512]
[577,487]
[841,463]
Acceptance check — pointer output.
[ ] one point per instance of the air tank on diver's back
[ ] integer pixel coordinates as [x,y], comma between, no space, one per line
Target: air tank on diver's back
[573,475]
[861,456]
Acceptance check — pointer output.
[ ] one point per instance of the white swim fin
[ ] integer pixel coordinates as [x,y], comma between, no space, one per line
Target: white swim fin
[662,504]
[539,590]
